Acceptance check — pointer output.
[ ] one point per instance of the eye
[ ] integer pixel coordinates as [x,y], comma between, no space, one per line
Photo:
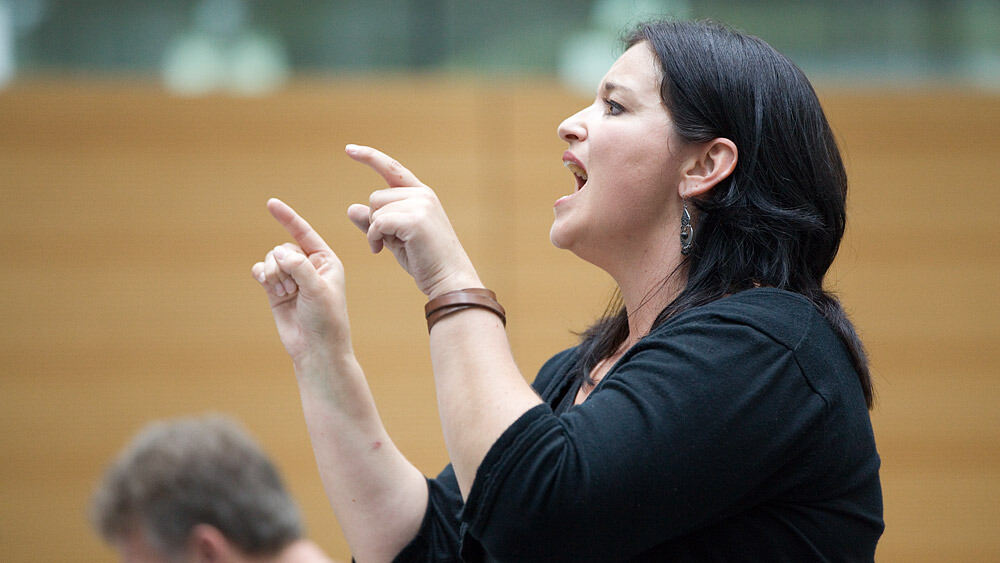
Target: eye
[613,107]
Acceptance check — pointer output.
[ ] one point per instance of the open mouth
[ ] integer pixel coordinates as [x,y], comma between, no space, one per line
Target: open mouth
[578,172]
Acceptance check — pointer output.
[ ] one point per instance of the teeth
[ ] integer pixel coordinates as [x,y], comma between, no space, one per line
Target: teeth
[574,168]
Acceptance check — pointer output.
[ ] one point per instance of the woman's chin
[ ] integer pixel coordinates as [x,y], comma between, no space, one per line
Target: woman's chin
[557,237]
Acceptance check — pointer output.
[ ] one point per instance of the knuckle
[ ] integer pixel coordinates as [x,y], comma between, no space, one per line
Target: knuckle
[426,205]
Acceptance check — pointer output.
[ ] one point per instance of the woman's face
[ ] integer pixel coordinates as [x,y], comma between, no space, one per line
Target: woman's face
[623,152]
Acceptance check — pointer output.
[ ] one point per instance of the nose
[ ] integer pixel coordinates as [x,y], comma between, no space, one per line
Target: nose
[573,128]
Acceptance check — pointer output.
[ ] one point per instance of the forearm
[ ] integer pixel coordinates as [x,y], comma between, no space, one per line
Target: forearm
[378,496]
[479,388]
[480,391]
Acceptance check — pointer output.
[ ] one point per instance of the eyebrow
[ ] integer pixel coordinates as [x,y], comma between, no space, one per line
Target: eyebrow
[610,86]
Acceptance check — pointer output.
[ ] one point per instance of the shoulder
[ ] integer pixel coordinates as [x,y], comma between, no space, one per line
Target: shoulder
[754,331]
[729,343]
[784,317]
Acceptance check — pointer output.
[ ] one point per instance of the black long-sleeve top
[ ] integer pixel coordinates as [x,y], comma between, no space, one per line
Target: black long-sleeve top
[737,430]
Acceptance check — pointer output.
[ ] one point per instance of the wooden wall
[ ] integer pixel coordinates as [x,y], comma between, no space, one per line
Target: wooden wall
[130,220]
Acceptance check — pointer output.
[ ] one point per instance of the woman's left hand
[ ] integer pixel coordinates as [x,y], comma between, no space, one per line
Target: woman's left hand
[408,219]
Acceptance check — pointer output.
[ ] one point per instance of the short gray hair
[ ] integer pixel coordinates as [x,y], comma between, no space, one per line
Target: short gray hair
[179,473]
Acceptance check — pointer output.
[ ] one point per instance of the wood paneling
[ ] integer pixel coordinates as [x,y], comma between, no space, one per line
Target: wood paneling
[130,220]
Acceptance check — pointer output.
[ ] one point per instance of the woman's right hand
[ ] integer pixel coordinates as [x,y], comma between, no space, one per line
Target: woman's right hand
[304,282]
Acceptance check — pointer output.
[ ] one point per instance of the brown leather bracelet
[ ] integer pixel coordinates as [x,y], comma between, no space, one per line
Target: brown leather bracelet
[461,299]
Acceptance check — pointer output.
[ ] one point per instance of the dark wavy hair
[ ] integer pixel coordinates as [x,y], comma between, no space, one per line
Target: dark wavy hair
[778,219]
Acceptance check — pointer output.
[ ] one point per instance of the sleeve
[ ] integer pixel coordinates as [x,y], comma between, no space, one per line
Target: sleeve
[685,429]
[439,537]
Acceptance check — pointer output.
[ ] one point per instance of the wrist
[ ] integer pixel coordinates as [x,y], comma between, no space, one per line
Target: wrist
[323,361]
[463,299]
[454,283]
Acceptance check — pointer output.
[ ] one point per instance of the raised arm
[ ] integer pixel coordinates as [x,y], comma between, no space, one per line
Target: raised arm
[378,496]
[479,388]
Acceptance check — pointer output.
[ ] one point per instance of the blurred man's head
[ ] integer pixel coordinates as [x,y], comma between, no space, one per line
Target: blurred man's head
[198,489]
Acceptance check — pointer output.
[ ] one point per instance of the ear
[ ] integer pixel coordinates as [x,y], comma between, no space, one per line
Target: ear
[206,543]
[711,163]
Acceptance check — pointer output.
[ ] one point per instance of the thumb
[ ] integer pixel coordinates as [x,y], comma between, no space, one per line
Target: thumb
[300,268]
[360,215]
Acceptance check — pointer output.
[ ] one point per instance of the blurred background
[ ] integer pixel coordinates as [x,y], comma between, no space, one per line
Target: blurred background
[139,141]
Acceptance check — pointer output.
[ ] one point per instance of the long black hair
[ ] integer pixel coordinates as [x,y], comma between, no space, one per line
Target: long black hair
[778,219]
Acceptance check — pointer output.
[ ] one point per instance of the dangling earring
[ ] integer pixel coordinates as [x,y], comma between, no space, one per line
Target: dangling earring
[687,232]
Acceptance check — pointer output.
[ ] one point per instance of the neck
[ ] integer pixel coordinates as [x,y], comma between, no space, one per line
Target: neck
[302,551]
[647,287]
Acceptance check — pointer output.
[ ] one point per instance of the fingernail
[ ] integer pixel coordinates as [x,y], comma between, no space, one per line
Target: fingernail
[279,252]
[289,285]
[279,289]
[351,149]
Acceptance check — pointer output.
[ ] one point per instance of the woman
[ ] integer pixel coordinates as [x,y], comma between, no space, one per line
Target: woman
[720,414]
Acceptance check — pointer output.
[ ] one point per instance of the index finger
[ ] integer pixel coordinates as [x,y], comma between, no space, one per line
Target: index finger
[394,173]
[301,231]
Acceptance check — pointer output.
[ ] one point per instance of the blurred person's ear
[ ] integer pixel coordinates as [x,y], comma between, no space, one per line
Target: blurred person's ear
[207,544]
